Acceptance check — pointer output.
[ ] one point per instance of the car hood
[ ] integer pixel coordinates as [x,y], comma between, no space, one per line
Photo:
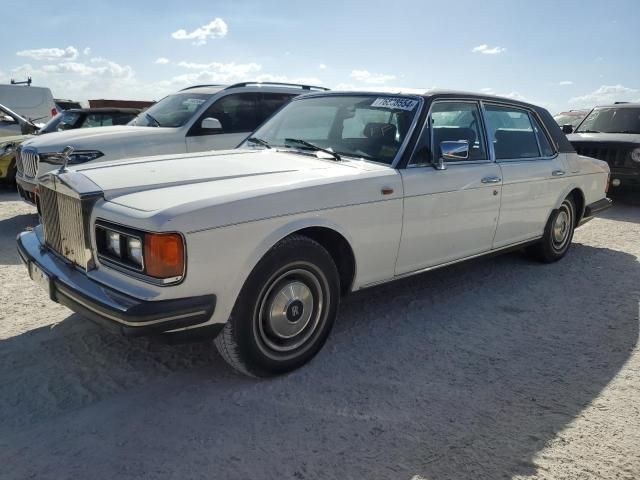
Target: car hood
[15,139]
[91,138]
[604,137]
[172,185]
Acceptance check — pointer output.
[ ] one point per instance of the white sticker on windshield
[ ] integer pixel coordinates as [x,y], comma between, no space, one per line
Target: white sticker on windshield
[193,101]
[397,103]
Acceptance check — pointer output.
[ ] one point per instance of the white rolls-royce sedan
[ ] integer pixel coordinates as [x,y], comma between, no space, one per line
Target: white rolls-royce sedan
[336,192]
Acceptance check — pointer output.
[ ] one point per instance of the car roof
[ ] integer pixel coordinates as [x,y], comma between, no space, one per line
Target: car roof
[256,86]
[621,105]
[429,93]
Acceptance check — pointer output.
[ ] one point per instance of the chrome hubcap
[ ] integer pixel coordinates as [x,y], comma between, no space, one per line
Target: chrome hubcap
[561,227]
[290,310]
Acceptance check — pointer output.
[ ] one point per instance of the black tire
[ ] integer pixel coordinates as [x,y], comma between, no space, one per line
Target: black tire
[11,173]
[285,310]
[558,234]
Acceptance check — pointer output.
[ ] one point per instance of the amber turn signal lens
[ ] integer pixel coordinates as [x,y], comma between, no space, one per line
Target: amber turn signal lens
[164,255]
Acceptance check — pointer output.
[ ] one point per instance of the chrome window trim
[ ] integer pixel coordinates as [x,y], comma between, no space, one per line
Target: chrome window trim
[427,122]
[530,112]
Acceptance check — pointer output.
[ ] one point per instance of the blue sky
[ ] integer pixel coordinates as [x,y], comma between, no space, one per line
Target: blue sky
[560,54]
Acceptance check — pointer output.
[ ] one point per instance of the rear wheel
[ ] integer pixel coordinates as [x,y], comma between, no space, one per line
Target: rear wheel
[558,234]
[285,310]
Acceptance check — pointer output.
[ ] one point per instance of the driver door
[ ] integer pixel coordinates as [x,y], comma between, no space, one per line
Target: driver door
[451,213]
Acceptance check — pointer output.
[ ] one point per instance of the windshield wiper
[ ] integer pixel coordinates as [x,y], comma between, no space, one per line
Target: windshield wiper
[152,119]
[312,146]
[258,141]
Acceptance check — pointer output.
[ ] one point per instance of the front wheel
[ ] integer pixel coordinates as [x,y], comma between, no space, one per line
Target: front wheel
[558,234]
[285,310]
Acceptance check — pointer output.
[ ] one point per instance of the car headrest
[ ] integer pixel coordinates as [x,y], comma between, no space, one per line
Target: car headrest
[380,131]
[452,134]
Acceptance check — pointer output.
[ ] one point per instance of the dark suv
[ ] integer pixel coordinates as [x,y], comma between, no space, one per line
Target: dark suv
[612,133]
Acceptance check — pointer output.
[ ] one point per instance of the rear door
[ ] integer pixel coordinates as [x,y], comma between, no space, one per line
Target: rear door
[532,172]
[449,214]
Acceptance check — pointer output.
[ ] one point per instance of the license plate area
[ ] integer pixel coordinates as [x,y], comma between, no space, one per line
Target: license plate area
[40,277]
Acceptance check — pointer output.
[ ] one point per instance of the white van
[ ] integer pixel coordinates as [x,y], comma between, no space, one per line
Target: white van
[33,103]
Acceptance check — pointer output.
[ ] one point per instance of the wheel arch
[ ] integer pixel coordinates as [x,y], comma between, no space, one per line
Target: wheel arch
[577,194]
[335,239]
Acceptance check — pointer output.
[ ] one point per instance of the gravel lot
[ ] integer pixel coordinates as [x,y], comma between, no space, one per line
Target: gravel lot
[499,368]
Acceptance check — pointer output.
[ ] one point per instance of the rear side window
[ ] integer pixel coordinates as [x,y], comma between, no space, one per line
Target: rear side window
[270,103]
[511,132]
[545,145]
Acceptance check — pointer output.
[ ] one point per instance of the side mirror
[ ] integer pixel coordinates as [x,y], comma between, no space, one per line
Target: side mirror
[567,129]
[211,123]
[7,119]
[452,150]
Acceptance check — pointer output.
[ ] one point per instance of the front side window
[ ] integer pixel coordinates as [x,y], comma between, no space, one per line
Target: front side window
[236,112]
[451,121]
[370,127]
[612,120]
[172,111]
[511,132]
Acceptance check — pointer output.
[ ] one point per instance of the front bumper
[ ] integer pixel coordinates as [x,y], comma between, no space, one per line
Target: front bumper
[628,178]
[127,315]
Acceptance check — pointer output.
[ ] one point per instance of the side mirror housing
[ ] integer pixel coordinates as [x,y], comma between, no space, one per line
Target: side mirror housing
[567,129]
[452,150]
[211,123]
[6,119]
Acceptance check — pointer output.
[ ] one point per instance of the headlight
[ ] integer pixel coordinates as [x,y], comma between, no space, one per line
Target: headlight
[6,148]
[635,155]
[157,255]
[78,156]
[113,243]
[134,250]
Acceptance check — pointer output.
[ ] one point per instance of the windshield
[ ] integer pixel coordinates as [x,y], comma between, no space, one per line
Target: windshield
[612,120]
[371,127]
[569,119]
[172,111]
[69,118]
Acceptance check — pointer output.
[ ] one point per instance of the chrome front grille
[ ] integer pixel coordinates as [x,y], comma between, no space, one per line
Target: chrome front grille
[65,226]
[27,162]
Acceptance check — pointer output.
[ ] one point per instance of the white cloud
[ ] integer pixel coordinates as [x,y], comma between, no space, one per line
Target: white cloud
[267,77]
[222,72]
[322,66]
[69,53]
[382,88]
[217,28]
[565,83]
[367,77]
[606,94]
[162,61]
[486,50]
[87,50]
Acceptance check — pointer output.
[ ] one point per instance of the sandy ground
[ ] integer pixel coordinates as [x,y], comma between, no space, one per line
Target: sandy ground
[500,368]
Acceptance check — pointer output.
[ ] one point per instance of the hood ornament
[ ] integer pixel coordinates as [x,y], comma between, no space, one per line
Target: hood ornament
[64,155]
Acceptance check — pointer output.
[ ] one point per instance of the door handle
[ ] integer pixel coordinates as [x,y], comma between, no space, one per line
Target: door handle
[491,180]
[558,173]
